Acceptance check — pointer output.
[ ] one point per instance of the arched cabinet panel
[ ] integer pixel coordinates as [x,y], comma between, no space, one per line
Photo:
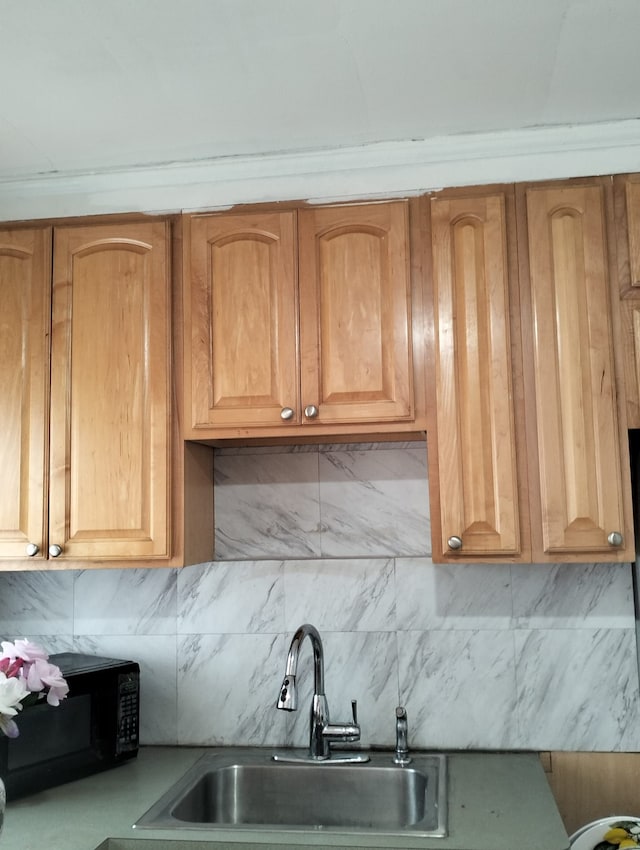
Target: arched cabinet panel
[110,438]
[355,313]
[581,450]
[25,268]
[242,355]
[472,448]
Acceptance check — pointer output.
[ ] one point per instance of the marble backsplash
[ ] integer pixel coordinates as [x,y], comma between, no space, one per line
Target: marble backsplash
[483,656]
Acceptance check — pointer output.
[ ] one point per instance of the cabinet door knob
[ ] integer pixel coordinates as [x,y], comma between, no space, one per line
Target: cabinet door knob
[454,542]
[311,411]
[615,538]
[286,413]
[32,549]
[55,550]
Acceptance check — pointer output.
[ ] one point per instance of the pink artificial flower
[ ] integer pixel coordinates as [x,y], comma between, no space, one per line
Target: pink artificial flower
[11,668]
[25,668]
[43,675]
[24,649]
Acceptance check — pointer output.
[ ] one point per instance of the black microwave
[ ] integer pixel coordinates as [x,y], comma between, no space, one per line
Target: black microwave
[93,729]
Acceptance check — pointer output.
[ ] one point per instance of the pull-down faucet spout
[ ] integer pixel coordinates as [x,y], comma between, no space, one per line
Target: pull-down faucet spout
[321,731]
[288,699]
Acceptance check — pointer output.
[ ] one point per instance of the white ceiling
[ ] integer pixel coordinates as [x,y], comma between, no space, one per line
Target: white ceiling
[93,85]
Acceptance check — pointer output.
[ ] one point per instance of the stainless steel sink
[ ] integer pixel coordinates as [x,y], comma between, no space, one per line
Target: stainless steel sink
[242,788]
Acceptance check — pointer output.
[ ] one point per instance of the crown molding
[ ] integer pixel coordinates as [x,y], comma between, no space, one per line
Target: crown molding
[383,169]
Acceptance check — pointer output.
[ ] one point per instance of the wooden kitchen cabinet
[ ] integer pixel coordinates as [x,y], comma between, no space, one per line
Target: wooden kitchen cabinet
[110,392]
[477,503]
[355,313]
[109,481]
[579,478]
[25,314]
[299,323]
[241,333]
[528,453]
[627,219]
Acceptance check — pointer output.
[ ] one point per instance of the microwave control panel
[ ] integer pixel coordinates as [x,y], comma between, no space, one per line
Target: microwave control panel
[128,711]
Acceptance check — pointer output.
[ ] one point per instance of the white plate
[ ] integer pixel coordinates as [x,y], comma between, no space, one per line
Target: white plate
[592,834]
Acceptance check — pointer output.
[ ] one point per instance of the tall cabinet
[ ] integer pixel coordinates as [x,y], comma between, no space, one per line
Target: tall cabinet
[579,457]
[476,501]
[92,446]
[528,452]
[25,318]
[627,207]
[110,427]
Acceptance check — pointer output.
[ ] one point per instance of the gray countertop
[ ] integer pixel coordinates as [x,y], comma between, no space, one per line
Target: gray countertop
[497,801]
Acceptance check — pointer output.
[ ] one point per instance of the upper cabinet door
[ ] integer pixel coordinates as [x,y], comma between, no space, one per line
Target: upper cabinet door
[241,335]
[584,497]
[629,186]
[472,457]
[25,285]
[355,314]
[627,205]
[110,392]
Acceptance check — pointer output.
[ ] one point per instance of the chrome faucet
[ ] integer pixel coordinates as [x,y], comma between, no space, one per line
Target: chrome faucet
[321,732]
[402,737]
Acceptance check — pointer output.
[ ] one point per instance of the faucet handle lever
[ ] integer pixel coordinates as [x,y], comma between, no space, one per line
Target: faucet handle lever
[354,711]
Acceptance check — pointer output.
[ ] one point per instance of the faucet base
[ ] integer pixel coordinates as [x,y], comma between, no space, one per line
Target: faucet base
[341,758]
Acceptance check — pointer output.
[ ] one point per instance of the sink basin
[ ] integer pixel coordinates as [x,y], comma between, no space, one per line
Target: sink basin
[246,789]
